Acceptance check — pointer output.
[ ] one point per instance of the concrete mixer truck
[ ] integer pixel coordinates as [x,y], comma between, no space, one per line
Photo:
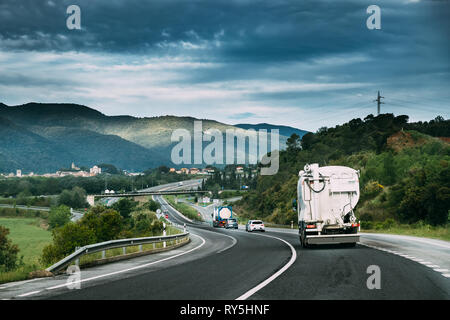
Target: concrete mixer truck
[326,198]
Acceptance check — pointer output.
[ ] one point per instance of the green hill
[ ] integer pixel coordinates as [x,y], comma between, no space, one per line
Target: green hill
[59,134]
[405,175]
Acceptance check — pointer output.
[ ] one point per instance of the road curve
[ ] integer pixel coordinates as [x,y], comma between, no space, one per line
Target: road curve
[228,264]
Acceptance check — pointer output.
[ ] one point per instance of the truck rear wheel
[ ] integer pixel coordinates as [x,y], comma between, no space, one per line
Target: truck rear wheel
[303,240]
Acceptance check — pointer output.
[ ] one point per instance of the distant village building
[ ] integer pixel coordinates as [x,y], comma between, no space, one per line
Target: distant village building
[172,170]
[19,173]
[194,171]
[239,169]
[206,200]
[95,171]
[74,167]
[184,170]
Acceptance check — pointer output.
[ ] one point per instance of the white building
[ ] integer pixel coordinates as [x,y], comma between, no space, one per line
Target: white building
[19,173]
[95,170]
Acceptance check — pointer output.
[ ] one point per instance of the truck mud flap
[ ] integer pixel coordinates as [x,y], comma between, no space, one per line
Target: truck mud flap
[335,238]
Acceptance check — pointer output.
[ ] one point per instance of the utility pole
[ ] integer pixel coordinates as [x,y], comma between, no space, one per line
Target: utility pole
[378,100]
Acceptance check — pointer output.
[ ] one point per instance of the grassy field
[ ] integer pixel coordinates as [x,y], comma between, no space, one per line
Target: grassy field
[31,237]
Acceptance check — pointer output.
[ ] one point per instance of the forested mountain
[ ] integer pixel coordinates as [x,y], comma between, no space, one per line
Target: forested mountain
[43,137]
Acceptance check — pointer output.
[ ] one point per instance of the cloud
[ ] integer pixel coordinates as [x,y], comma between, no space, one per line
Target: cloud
[244,115]
[304,63]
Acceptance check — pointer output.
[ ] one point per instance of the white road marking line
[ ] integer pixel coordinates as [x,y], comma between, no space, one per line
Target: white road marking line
[230,246]
[421,261]
[121,271]
[275,275]
[13,284]
[29,293]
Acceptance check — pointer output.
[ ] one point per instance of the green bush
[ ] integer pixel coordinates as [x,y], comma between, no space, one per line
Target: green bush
[388,223]
[8,252]
[153,205]
[367,225]
[125,206]
[58,216]
[65,241]
[75,198]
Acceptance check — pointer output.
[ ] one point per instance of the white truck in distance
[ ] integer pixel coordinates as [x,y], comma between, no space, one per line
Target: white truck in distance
[326,199]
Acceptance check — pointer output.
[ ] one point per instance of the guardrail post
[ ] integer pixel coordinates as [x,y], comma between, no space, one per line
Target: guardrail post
[140,248]
[184,228]
[77,261]
[359,225]
[164,234]
[292,224]
[103,254]
[124,250]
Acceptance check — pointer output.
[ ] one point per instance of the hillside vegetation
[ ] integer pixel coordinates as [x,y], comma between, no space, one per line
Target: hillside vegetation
[405,174]
[43,137]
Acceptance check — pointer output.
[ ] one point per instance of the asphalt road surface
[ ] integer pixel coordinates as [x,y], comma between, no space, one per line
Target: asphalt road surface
[232,264]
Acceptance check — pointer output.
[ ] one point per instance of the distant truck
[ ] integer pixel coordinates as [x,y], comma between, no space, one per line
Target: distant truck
[326,197]
[221,215]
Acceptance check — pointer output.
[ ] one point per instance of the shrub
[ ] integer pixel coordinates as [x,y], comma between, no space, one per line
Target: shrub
[153,205]
[8,252]
[125,206]
[367,225]
[58,216]
[76,198]
[388,223]
[65,241]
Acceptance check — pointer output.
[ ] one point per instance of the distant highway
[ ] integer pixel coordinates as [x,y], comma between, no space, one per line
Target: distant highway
[232,264]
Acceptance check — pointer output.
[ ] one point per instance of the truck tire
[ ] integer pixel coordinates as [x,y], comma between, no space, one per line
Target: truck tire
[303,240]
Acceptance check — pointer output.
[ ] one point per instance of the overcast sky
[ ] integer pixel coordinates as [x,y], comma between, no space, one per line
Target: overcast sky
[301,63]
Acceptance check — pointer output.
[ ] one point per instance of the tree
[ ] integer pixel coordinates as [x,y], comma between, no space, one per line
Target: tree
[8,252]
[65,198]
[65,241]
[110,225]
[293,143]
[125,206]
[153,205]
[108,168]
[58,216]
[76,198]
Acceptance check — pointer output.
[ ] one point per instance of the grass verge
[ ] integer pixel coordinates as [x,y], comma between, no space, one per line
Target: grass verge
[416,230]
[184,208]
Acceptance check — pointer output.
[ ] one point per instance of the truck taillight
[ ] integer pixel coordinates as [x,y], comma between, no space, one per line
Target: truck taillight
[355,225]
[310,226]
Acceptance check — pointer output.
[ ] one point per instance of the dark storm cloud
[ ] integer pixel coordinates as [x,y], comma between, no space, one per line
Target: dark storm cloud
[263,54]
[277,30]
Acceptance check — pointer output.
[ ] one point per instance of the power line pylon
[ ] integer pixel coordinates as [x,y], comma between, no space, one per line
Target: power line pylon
[378,100]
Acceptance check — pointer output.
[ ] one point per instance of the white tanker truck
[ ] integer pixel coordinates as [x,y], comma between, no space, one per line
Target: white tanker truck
[326,199]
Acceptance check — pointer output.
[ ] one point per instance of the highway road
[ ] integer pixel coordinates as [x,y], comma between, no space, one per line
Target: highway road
[234,264]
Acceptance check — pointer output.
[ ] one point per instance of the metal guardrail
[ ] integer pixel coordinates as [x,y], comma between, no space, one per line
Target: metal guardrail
[112,244]
[145,193]
[20,206]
